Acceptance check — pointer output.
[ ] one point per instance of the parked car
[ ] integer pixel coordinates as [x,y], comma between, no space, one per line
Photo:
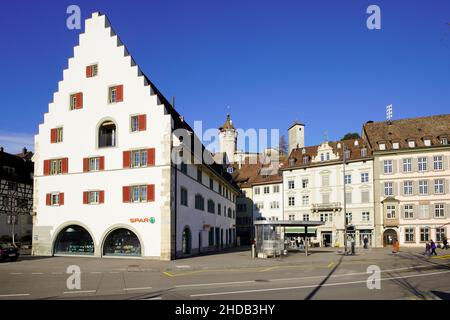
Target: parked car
[8,252]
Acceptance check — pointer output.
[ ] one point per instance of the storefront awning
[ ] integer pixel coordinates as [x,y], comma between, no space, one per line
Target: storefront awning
[291,230]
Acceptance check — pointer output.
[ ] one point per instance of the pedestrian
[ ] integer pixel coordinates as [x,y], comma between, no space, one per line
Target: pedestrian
[427,248]
[395,246]
[433,248]
[445,244]
[366,243]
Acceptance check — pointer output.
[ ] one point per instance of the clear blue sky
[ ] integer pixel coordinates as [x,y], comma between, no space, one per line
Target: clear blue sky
[272,62]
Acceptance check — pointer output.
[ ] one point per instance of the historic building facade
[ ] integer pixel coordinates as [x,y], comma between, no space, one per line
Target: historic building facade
[313,184]
[411,179]
[114,174]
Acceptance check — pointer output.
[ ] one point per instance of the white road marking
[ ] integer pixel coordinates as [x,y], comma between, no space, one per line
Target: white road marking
[157,298]
[130,289]
[114,272]
[57,273]
[312,286]
[86,291]
[14,295]
[183,267]
[96,272]
[212,284]
[37,273]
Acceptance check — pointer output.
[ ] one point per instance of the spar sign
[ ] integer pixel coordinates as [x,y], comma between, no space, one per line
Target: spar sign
[143,220]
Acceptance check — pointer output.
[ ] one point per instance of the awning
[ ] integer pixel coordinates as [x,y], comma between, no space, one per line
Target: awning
[291,230]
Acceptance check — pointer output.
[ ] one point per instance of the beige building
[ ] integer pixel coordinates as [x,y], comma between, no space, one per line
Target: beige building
[411,179]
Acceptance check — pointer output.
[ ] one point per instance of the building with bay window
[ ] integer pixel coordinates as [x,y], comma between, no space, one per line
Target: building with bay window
[117,170]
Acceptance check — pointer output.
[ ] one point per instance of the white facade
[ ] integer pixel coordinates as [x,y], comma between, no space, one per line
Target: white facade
[268,201]
[154,220]
[315,192]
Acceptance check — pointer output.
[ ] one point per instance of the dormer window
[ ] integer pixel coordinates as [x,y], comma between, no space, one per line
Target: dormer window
[444,140]
[427,142]
[382,146]
[411,143]
[328,156]
[347,154]
[356,142]
[363,152]
[338,145]
[292,162]
[322,157]
[395,145]
[305,160]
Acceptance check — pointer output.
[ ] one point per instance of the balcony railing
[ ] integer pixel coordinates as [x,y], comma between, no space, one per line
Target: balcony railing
[332,206]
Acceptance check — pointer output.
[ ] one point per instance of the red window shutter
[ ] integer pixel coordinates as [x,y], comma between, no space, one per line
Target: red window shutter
[126,194]
[142,120]
[102,163]
[53,136]
[46,167]
[151,157]
[61,199]
[65,165]
[85,164]
[126,159]
[48,200]
[101,197]
[85,197]
[79,100]
[151,192]
[119,93]
[88,71]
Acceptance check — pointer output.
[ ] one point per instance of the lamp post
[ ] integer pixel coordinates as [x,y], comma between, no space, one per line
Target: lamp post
[345,201]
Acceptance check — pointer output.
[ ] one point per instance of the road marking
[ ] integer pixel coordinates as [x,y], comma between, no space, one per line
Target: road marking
[132,289]
[312,286]
[15,273]
[330,265]
[157,298]
[212,284]
[37,273]
[445,256]
[96,272]
[114,272]
[168,274]
[86,291]
[57,273]
[14,295]
[183,267]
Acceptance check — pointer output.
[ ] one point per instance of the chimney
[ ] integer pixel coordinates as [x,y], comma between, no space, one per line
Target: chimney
[24,150]
[1,149]
[173,102]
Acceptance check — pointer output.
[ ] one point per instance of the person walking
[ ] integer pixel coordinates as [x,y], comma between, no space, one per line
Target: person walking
[433,248]
[427,248]
[366,243]
[395,246]
[445,244]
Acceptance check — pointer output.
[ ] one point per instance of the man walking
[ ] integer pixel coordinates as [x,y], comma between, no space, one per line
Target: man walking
[366,243]
[445,244]
[433,248]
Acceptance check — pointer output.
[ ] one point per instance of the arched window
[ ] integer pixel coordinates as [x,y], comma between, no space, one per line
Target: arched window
[122,242]
[199,202]
[229,212]
[186,241]
[74,240]
[107,134]
[211,206]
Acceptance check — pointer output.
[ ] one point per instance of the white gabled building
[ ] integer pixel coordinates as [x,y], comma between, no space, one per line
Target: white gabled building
[105,183]
[313,186]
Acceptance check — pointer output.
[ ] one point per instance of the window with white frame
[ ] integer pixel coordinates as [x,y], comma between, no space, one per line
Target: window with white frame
[276,189]
[444,141]
[322,157]
[274,205]
[423,187]
[363,152]
[139,193]
[407,165]
[305,200]
[56,166]
[348,179]
[325,181]
[424,234]
[438,162]
[365,216]
[327,156]
[259,205]
[93,197]
[388,188]
[291,184]
[138,158]
[408,211]
[422,164]
[326,217]
[266,190]
[306,217]
[387,166]
[291,201]
[439,211]
[382,146]
[424,211]
[427,142]
[364,177]
[390,212]
[410,235]
[134,123]
[257,190]
[292,217]
[439,186]
[440,234]
[411,143]
[348,197]
[365,196]
[407,187]
[395,145]
[94,164]
[325,198]
[305,183]
[54,199]
[349,217]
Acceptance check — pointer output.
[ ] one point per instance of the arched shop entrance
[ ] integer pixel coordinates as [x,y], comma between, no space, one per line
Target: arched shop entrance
[389,236]
[122,242]
[74,240]
[186,241]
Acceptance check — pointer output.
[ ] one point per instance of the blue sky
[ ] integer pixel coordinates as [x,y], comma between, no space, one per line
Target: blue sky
[273,62]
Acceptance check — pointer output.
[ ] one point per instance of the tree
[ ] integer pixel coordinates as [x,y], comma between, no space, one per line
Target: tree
[351,135]
[283,147]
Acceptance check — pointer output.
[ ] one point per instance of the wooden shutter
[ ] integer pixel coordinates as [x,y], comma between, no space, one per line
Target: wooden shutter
[79,96]
[85,164]
[53,136]
[126,194]
[85,197]
[101,197]
[151,157]
[150,192]
[46,167]
[61,199]
[88,71]
[102,163]
[142,121]
[65,165]
[119,93]
[48,200]
[126,159]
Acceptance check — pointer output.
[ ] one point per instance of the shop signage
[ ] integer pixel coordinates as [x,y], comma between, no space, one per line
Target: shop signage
[143,220]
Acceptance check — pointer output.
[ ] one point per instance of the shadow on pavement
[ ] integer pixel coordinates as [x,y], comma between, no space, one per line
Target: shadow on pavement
[316,289]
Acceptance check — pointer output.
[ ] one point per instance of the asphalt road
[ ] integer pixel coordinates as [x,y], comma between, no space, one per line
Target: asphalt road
[233,276]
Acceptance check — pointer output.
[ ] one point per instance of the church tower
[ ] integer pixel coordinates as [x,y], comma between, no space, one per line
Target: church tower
[228,140]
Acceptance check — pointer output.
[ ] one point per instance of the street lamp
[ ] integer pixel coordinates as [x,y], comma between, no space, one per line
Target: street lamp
[345,200]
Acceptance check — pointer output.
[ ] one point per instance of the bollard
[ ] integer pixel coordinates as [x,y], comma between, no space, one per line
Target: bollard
[253,251]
